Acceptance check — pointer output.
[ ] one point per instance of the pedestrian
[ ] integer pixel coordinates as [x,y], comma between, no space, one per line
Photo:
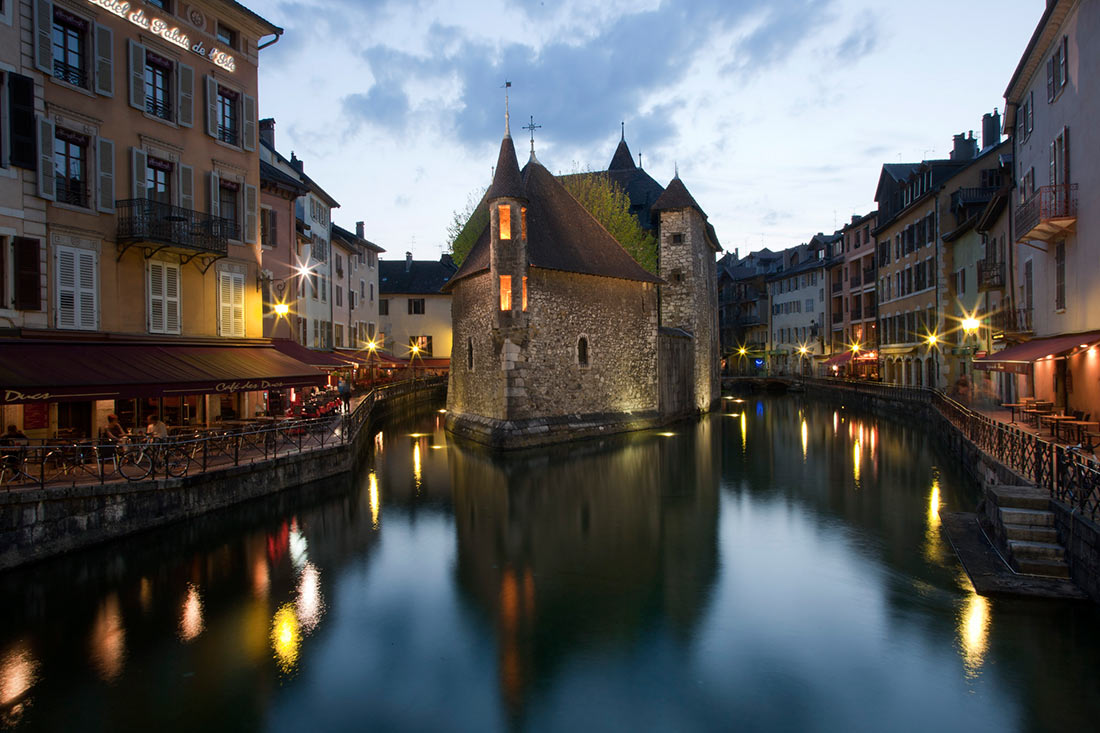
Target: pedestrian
[14,436]
[156,429]
[114,432]
[345,393]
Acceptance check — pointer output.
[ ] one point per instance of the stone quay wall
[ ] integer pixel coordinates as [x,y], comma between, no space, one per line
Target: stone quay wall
[40,523]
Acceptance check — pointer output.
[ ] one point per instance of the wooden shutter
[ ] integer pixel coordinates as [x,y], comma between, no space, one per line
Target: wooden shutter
[66,287]
[164,297]
[211,106]
[1053,157]
[136,55]
[1030,112]
[214,184]
[187,187]
[24,149]
[156,297]
[272,227]
[27,295]
[225,304]
[46,179]
[104,61]
[250,205]
[185,105]
[86,289]
[1050,79]
[76,288]
[139,172]
[249,127]
[1065,157]
[105,178]
[43,36]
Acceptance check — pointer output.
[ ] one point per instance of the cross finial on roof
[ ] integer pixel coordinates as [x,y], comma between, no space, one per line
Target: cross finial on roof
[507,126]
[532,127]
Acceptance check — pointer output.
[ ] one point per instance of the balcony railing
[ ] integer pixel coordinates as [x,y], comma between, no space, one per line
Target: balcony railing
[838,286]
[838,317]
[870,310]
[1049,214]
[857,314]
[991,274]
[855,281]
[869,276]
[74,75]
[71,191]
[144,220]
[227,134]
[1012,320]
[158,108]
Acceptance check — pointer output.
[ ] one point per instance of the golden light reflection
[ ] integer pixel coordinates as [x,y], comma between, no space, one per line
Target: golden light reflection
[836,421]
[191,623]
[974,633]
[372,493]
[932,533]
[416,465]
[18,674]
[298,546]
[744,432]
[378,443]
[805,439]
[311,605]
[857,455]
[108,642]
[666,435]
[146,594]
[286,638]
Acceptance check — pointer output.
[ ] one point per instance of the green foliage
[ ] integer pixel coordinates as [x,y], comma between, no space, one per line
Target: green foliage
[609,205]
[467,225]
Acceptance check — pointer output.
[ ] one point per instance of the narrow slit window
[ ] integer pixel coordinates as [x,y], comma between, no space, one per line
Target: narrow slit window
[505,218]
[506,292]
[582,351]
[524,292]
[523,227]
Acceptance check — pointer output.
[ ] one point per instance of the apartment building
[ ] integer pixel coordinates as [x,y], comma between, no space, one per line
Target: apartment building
[414,314]
[853,301]
[797,317]
[355,272]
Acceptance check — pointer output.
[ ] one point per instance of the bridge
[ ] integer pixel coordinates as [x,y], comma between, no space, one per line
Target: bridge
[761,383]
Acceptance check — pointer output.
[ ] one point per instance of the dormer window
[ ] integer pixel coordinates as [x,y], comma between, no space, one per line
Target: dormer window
[506,292]
[504,218]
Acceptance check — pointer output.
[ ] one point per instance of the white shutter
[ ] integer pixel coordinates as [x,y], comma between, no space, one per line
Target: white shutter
[238,305]
[225,304]
[185,106]
[86,290]
[46,177]
[104,61]
[43,36]
[211,106]
[171,297]
[66,287]
[105,181]
[187,187]
[249,114]
[136,56]
[156,297]
[250,204]
[214,183]
[139,172]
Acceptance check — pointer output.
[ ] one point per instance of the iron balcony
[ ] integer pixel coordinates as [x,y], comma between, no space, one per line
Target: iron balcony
[1049,214]
[145,220]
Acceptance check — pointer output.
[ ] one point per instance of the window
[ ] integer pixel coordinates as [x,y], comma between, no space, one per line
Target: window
[70,167]
[421,346]
[523,221]
[164,297]
[1059,170]
[504,217]
[158,71]
[269,228]
[383,306]
[157,180]
[162,4]
[69,48]
[678,238]
[416,306]
[77,281]
[324,288]
[226,36]
[227,200]
[506,292]
[25,280]
[371,290]
[1060,275]
[339,335]
[231,304]
[582,351]
[339,296]
[228,119]
[1056,70]
[524,292]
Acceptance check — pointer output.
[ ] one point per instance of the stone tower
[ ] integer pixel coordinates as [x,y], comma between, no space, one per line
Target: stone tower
[687,245]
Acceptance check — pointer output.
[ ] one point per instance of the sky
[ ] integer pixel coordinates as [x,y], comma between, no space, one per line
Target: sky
[778,114]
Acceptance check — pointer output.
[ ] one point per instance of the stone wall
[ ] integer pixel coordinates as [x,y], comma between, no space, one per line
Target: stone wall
[480,390]
[676,372]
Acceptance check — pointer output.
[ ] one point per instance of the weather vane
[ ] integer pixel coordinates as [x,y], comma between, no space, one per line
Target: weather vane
[532,127]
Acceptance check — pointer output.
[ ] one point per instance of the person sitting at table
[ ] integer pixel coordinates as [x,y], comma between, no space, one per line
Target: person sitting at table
[114,432]
[14,436]
[156,429]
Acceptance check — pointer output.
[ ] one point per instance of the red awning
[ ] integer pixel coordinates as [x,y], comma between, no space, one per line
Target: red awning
[32,371]
[1018,359]
[320,359]
[838,360]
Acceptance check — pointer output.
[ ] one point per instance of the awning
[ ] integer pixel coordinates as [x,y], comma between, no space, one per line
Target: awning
[1018,359]
[838,360]
[33,371]
[320,359]
[896,350]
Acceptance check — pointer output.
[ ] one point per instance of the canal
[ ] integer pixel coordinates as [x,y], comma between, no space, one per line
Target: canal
[780,566]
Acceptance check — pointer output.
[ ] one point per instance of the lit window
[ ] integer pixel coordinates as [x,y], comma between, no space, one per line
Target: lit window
[523,229]
[505,218]
[524,292]
[506,292]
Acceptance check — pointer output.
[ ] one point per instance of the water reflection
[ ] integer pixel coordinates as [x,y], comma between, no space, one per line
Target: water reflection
[286,638]
[372,493]
[108,639]
[974,623]
[805,431]
[310,604]
[18,674]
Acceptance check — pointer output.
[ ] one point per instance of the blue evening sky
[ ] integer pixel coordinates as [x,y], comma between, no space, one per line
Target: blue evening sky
[778,113]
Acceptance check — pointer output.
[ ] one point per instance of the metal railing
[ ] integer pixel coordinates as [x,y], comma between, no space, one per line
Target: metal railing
[855,281]
[74,75]
[161,108]
[869,276]
[153,221]
[1011,320]
[991,274]
[227,134]
[1069,474]
[71,191]
[838,286]
[1047,203]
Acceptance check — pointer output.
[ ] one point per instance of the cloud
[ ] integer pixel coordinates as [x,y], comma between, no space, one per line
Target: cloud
[861,41]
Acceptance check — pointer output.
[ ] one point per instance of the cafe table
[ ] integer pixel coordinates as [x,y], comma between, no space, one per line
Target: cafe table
[1055,422]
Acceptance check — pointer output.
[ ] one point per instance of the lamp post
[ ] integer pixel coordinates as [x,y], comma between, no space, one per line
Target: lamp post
[372,348]
[414,352]
[802,351]
[932,340]
[742,352]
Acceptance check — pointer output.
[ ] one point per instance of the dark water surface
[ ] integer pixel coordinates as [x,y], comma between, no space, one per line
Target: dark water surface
[778,567]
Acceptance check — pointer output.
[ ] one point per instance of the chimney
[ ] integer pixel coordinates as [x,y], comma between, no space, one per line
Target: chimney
[991,129]
[964,148]
[267,132]
[295,163]
[408,261]
[359,230]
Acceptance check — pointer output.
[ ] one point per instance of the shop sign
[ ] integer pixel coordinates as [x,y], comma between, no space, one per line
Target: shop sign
[170,33]
[247,386]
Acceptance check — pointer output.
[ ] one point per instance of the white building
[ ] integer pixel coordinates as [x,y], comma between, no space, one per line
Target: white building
[355,284]
[797,316]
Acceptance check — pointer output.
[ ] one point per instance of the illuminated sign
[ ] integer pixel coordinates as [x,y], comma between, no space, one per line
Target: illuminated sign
[170,33]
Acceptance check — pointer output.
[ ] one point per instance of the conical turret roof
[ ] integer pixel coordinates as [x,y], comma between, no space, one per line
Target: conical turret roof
[506,178]
[676,196]
[622,160]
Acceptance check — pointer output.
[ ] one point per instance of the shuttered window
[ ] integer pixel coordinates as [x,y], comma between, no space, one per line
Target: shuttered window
[164,297]
[231,304]
[27,266]
[77,285]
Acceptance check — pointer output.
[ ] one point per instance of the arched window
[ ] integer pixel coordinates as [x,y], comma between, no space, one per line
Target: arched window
[582,351]
[470,354]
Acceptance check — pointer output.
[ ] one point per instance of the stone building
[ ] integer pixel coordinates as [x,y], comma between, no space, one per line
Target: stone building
[559,333]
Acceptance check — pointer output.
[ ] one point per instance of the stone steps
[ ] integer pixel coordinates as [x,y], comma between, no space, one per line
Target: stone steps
[1030,533]
[1028,523]
[1028,517]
